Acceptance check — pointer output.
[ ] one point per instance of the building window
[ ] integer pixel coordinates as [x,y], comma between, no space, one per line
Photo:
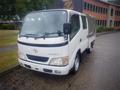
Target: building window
[119,13]
[98,9]
[115,13]
[93,8]
[114,23]
[105,23]
[103,10]
[111,12]
[85,5]
[97,22]
[111,23]
[88,6]
[106,10]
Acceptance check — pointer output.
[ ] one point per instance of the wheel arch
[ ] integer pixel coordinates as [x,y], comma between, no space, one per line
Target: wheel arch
[77,53]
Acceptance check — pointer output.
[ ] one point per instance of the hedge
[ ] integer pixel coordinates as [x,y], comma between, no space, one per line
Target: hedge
[104,29]
[8,26]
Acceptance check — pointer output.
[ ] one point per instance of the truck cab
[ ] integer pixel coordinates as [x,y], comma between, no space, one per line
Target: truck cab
[52,41]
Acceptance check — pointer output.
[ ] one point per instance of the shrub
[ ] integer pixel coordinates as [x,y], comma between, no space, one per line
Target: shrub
[104,29]
[8,26]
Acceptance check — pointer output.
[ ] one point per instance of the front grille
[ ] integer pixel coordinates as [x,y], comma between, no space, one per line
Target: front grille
[37,58]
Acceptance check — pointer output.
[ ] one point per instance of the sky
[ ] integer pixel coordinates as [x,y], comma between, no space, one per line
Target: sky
[108,0]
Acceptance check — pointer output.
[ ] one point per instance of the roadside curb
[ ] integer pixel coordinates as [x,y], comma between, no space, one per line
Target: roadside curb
[103,33]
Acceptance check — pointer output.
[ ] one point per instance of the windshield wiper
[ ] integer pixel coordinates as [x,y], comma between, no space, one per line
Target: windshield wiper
[47,34]
[44,35]
[58,32]
[29,35]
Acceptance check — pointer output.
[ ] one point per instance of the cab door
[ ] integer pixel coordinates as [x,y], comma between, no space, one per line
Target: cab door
[74,37]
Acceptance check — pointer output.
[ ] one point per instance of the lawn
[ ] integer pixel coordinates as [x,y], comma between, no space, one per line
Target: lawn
[8,59]
[8,37]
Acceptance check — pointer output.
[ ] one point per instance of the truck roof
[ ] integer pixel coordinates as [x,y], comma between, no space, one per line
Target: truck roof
[68,10]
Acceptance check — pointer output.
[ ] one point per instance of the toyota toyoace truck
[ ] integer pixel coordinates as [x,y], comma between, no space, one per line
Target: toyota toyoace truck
[52,41]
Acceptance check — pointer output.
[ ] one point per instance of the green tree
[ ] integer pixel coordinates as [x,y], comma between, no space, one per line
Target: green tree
[25,6]
[7,9]
[11,8]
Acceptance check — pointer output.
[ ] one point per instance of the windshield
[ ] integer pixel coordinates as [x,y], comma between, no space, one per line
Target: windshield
[48,24]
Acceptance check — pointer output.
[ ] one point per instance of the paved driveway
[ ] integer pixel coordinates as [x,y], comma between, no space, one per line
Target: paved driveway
[99,71]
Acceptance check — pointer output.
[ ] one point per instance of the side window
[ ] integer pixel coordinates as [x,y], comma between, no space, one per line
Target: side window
[75,25]
[84,22]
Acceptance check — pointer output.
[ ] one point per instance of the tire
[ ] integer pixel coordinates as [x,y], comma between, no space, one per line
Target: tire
[89,50]
[76,65]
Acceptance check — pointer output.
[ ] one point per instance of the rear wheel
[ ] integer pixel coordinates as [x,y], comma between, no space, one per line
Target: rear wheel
[89,50]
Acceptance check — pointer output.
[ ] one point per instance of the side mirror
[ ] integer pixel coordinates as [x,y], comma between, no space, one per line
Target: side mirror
[67,28]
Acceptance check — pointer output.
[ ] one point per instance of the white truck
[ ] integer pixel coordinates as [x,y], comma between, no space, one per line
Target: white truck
[52,41]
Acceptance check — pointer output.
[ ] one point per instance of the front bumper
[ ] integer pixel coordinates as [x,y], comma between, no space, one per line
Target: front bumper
[64,70]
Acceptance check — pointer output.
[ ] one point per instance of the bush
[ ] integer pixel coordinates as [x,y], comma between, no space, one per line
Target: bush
[104,29]
[8,26]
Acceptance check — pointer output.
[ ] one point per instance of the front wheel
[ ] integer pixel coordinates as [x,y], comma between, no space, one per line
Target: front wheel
[76,64]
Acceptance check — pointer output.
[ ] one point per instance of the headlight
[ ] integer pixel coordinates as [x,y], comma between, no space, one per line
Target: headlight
[62,61]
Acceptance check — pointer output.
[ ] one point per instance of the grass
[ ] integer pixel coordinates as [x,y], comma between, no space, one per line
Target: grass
[8,37]
[8,60]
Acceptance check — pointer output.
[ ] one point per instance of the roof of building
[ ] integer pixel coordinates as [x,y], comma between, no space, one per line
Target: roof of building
[108,3]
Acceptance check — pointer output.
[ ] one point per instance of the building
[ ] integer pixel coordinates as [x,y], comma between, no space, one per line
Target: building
[106,14]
